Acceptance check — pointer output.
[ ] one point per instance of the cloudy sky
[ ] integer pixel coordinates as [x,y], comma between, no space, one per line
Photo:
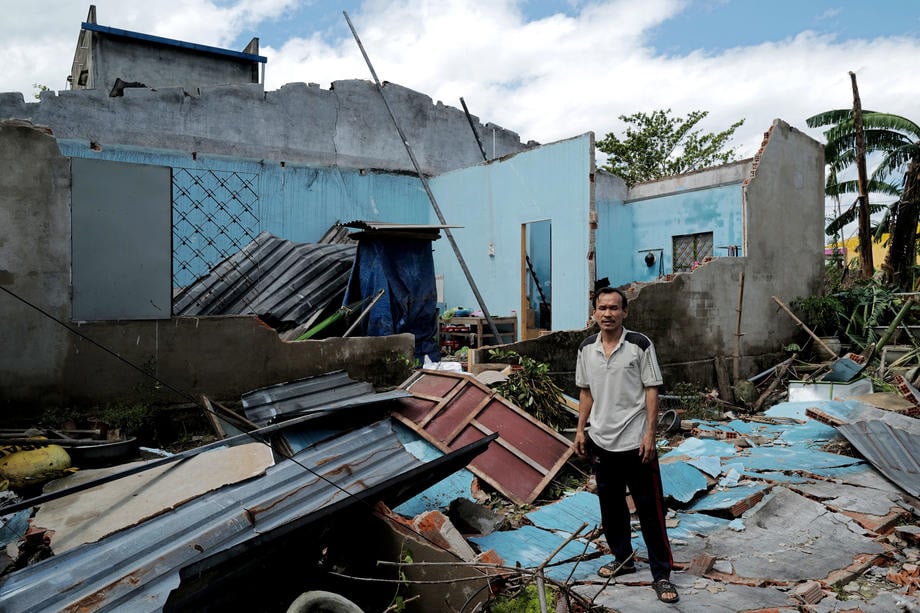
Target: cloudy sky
[547,69]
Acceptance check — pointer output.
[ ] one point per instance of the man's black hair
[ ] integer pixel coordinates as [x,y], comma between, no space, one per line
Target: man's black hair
[611,290]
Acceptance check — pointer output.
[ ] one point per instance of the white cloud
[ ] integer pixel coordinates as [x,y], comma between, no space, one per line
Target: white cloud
[547,79]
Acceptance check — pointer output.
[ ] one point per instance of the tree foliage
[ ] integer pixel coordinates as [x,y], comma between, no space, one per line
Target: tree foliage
[39,88]
[896,140]
[657,145]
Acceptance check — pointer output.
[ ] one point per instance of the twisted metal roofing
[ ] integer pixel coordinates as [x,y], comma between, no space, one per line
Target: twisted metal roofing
[322,392]
[137,568]
[273,278]
[893,451]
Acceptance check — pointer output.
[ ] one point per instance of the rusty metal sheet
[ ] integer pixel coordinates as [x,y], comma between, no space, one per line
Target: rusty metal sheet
[451,410]
[135,569]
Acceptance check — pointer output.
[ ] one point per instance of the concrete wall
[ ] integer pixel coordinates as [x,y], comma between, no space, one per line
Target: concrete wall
[44,363]
[616,241]
[157,65]
[654,213]
[345,126]
[693,317]
[34,259]
[332,138]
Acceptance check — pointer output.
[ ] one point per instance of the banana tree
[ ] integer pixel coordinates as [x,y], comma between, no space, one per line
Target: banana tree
[895,140]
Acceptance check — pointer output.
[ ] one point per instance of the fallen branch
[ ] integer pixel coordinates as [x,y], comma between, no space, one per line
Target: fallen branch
[801,325]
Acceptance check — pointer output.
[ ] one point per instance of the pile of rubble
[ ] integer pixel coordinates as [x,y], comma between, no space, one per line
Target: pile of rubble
[429,492]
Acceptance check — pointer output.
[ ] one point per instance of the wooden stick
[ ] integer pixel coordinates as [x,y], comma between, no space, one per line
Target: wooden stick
[777,378]
[801,325]
[873,349]
[736,363]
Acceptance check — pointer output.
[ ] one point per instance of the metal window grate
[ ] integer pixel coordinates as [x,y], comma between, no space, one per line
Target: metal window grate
[690,248]
[214,216]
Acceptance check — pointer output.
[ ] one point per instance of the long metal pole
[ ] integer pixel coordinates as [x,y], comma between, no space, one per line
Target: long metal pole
[469,119]
[421,175]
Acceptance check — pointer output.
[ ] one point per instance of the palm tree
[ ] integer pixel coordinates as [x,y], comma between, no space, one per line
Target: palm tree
[897,140]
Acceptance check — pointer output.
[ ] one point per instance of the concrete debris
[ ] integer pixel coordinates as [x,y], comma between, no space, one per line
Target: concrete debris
[435,582]
[810,592]
[475,519]
[437,529]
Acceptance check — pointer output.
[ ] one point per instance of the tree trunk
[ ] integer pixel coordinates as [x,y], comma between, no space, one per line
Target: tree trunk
[866,265]
[902,253]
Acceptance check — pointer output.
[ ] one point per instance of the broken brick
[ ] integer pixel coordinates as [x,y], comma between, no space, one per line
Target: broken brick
[701,564]
[810,592]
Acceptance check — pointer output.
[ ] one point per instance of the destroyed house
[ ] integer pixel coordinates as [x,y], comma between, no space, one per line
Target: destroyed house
[222,164]
[111,59]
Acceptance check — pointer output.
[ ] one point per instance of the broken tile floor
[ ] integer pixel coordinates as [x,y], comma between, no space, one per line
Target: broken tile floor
[761,519]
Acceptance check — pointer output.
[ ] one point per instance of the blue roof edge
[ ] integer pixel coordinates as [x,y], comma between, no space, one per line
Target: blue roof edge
[173,43]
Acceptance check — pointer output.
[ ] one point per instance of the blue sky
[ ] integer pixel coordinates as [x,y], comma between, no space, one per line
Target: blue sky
[708,25]
[548,69]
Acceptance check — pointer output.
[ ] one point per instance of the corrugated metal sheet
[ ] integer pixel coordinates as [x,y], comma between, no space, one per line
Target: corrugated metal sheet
[398,231]
[136,569]
[322,392]
[795,458]
[569,513]
[893,451]
[273,278]
[696,447]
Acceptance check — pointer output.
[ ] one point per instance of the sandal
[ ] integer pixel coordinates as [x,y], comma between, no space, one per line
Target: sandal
[662,587]
[615,569]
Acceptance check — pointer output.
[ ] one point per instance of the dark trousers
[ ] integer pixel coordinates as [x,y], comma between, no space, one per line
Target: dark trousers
[615,470]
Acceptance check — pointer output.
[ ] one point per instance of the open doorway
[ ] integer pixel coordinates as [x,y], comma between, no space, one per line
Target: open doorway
[536,286]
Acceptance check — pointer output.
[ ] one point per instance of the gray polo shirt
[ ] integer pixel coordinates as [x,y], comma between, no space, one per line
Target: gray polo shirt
[618,417]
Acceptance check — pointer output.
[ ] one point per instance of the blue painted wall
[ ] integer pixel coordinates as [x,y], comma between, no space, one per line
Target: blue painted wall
[293,202]
[625,231]
[492,201]
[615,241]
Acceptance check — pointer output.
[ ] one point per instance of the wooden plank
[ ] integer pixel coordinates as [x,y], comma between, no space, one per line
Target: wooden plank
[469,418]
[517,453]
[88,516]
[524,459]
[445,400]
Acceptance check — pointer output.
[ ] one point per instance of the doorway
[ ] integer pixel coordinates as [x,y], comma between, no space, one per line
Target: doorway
[536,286]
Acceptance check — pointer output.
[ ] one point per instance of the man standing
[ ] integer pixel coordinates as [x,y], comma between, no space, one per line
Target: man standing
[618,376]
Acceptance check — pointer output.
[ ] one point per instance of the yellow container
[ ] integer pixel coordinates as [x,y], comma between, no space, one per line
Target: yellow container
[32,467]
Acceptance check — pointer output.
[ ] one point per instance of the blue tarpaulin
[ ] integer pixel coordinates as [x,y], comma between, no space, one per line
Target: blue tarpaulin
[404,269]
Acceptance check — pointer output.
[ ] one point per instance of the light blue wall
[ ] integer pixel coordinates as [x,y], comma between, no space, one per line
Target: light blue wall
[615,241]
[626,230]
[292,202]
[492,201]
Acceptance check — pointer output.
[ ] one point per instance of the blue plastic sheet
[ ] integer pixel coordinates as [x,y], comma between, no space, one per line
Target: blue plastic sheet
[404,269]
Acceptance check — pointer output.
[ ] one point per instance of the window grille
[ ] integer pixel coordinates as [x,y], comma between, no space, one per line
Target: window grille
[690,248]
[215,214]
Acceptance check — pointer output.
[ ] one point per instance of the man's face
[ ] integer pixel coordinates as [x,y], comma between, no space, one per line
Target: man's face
[609,312]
